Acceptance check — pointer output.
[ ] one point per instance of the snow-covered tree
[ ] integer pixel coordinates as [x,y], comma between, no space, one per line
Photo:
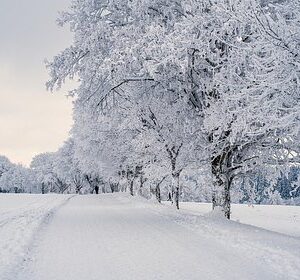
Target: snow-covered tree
[167,137]
[18,179]
[43,166]
[67,167]
[232,65]
[5,165]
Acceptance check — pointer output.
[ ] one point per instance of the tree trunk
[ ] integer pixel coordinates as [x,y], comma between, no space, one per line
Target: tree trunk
[157,193]
[227,199]
[218,184]
[142,181]
[217,193]
[221,196]
[112,189]
[176,190]
[131,188]
[157,189]
[214,200]
[177,197]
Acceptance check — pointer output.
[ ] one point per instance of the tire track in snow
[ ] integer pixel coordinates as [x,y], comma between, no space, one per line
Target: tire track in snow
[24,229]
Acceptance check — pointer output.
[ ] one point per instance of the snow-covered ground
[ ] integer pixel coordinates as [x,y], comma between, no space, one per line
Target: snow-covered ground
[278,218]
[20,219]
[116,237]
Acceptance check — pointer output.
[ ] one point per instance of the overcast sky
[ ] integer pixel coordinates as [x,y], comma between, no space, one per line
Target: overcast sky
[32,120]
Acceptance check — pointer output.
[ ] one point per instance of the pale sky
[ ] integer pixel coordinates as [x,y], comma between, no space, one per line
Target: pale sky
[32,120]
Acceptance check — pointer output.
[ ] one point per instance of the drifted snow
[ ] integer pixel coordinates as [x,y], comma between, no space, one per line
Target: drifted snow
[118,237]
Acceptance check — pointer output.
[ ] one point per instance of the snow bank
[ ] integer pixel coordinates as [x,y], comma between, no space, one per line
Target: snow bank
[278,218]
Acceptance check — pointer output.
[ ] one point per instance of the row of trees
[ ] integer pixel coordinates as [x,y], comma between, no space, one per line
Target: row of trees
[56,172]
[173,92]
[170,87]
[16,178]
[59,172]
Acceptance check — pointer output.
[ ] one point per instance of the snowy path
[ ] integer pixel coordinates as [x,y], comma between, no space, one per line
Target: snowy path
[113,237]
[20,218]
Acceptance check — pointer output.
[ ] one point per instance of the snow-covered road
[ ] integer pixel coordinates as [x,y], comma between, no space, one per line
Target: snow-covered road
[115,237]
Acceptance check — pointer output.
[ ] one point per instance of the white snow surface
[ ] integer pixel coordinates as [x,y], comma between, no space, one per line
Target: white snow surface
[116,237]
[279,218]
[20,218]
